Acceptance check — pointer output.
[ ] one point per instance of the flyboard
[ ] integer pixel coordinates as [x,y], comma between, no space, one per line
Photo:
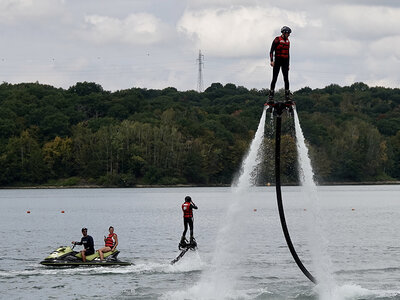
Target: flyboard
[184,247]
[277,110]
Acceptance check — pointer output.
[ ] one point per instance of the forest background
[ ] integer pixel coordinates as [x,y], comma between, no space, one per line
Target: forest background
[86,136]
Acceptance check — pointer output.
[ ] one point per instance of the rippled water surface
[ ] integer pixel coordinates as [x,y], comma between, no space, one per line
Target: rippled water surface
[360,224]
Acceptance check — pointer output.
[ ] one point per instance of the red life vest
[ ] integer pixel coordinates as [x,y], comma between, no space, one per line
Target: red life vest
[187,210]
[282,49]
[109,240]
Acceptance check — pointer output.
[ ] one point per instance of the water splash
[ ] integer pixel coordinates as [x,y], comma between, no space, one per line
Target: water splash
[220,280]
[231,239]
[321,262]
[251,159]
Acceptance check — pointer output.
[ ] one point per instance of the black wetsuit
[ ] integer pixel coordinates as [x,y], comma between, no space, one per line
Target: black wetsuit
[281,61]
[188,221]
[284,64]
[88,244]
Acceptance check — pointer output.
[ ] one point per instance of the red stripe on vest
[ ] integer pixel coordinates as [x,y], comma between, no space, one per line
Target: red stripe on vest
[110,241]
[187,210]
[282,49]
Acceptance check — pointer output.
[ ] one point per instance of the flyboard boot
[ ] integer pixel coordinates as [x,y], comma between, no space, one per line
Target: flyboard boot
[184,247]
[289,101]
[183,243]
[193,243]
[270,103]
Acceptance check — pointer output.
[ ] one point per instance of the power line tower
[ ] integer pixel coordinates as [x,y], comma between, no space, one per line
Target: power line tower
[200,60]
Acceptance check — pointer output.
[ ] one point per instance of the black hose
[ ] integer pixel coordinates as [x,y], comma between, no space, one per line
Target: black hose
[280,204]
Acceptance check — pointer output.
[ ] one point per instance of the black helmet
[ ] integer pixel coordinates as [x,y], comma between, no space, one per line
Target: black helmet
[188,199]
[286,29]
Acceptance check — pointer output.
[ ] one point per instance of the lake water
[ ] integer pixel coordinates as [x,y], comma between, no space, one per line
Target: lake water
[360,224]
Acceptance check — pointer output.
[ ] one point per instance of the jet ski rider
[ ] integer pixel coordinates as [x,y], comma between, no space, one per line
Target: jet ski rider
[88,244]
[111,242]
[187,208]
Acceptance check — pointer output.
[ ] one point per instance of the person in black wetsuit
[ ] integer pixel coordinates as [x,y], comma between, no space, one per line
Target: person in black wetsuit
[88,244]
[187,209]
[280,46]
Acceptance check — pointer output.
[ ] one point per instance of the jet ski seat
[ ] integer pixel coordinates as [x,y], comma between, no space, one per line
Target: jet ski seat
[96,255]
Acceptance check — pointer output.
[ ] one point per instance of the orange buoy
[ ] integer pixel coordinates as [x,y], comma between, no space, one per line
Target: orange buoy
[62,211]
[28,211]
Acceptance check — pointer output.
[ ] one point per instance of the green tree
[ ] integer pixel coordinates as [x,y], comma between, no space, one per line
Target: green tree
[85,88]
[24,160]
[58,156]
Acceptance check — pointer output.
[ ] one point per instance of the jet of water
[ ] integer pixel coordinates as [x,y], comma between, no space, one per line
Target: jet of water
[252,157]
[318,243]
[219,282]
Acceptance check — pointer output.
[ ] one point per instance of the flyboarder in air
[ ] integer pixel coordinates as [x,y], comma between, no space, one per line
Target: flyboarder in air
[187,209]
[280,46]
[184,246]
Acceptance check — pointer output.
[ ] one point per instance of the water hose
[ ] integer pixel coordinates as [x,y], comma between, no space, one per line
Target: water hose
[279,196]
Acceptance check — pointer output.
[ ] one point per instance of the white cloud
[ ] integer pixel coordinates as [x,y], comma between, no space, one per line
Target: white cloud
[12,11]
[381,63]
[218,3]
[155,43]
[249,71]
[366,22]
[386,47]
[320,48]
[140,28]
[383,81]
[237,31]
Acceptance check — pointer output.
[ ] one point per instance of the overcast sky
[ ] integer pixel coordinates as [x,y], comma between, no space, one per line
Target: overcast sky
[155,43]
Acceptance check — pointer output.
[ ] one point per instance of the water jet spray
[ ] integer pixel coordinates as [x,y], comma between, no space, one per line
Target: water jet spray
[278,109]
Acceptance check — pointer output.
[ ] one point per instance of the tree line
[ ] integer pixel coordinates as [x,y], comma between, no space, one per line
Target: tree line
[86,135]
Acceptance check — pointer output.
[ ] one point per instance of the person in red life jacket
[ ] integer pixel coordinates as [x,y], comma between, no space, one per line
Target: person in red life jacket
[187,208]
[280,46]
[111,242]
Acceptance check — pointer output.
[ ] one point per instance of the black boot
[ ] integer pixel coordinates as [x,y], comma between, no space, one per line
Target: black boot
[288,97]
[270,102]
[271,96]
[182,243]
[288,101]
[193,243]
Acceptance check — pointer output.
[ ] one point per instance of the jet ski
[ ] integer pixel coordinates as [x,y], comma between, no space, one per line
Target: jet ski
[65,256]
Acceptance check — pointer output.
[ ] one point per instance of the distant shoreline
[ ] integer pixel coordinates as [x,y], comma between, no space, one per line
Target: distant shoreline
[183,185]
